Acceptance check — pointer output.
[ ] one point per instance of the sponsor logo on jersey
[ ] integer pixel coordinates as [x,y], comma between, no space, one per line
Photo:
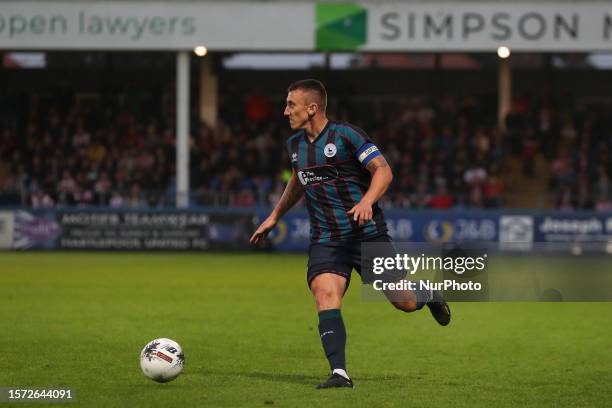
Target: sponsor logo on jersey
[317,175]
[309,177]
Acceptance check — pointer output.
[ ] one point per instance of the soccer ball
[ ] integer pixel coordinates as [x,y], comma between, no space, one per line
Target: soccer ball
[162,360]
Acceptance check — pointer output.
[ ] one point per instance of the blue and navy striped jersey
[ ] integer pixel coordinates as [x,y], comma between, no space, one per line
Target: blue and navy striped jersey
[332,173]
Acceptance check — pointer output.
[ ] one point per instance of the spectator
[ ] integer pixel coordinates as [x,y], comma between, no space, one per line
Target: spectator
[81,137]
[245,198]
[441,200]
[40,199]
[257,106]
[116,200]
[475,177]
[566,202]
[135,198]
[493,190]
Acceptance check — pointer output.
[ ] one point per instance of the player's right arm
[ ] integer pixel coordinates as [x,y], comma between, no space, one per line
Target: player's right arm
[292,194]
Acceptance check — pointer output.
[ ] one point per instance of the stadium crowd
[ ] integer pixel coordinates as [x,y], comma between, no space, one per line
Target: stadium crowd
[582,167]
[574,139]
[444,153]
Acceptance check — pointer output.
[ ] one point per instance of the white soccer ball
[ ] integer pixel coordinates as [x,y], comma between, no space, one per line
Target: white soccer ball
[162,360]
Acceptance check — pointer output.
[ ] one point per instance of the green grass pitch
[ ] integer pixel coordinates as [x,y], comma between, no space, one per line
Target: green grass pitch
[248,327]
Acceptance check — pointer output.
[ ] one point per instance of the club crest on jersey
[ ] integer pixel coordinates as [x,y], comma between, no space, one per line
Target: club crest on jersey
[330,150]
[293,157]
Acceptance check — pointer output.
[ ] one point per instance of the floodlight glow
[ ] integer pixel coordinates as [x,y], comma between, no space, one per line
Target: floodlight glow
[200,51]
[503,52]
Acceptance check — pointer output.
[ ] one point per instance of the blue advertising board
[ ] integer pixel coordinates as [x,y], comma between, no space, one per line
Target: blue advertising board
[510,229]
[214,229]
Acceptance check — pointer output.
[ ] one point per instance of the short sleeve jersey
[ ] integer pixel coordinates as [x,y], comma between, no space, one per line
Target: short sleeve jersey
[332,172]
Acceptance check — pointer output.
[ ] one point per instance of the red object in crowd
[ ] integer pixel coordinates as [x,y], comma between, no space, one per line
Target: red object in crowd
[441,201]
[257,107]
[493,188]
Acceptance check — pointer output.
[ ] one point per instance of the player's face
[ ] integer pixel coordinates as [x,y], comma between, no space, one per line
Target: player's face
[299,109]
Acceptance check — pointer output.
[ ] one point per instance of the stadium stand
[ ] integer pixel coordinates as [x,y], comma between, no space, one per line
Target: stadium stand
[444,153]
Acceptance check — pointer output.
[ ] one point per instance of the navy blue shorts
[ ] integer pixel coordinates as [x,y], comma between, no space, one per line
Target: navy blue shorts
[337,257]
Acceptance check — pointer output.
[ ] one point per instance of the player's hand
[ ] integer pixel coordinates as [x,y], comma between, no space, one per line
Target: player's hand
[362,213]
[262,232]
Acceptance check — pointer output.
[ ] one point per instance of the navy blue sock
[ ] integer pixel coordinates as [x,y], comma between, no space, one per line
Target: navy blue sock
[423,296]
[333,337]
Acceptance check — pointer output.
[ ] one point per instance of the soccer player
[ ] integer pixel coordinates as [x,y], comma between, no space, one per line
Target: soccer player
[342,175]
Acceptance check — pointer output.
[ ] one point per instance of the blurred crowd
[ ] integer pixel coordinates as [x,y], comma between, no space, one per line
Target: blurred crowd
[574,140]
[583,164]
[445,153]
[80,155]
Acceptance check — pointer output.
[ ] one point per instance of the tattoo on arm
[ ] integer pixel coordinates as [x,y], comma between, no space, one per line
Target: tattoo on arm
[375,163]
[381,179]
[292,194]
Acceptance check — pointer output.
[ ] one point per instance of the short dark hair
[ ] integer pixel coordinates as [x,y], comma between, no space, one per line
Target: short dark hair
[312,85]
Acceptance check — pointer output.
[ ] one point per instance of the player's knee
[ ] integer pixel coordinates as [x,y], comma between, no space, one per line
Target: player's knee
[327,299]
[406,306]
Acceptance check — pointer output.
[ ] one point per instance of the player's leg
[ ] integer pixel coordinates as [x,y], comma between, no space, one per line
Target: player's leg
[328,278]
[405,300]
[410,301]
[328,289]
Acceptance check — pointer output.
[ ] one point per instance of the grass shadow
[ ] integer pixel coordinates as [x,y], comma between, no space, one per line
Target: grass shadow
[292,378]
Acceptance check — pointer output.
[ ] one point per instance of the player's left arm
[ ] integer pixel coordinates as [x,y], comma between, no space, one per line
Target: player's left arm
[381,179]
